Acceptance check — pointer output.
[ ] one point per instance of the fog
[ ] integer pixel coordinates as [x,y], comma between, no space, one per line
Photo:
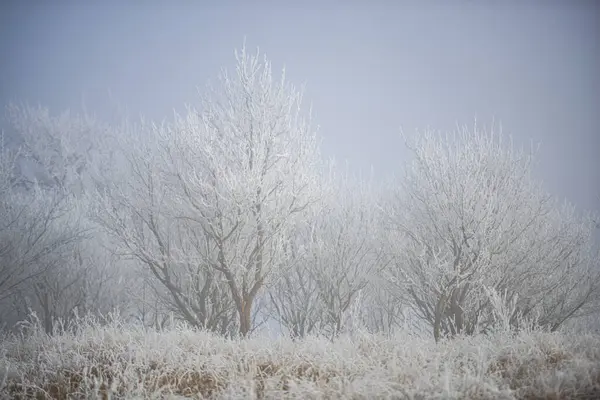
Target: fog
[370,69]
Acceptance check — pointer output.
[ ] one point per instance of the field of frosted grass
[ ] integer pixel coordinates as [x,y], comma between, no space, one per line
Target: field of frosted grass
[114,361]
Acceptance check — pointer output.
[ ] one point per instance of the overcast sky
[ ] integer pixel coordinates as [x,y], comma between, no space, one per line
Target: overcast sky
[370,68]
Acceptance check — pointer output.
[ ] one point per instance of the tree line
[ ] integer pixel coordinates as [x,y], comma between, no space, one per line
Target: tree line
[227,217]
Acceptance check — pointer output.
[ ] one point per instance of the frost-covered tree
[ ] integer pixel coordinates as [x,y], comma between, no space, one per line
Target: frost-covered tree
[294,299]
[384,313]
[57,150]
[347,248]
[340,254]
[137,207]
[213,196]
[52,176]
[469,217]
[38,228]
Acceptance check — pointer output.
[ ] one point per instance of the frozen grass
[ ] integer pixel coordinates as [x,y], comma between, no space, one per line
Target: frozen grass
[124,362]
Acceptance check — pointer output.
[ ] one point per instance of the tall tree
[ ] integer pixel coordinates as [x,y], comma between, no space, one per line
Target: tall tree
[217,191]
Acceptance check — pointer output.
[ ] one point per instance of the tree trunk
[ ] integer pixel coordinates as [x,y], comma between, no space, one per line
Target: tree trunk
[245,316]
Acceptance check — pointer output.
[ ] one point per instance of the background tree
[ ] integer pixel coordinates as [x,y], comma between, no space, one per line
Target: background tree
[383,312]
[52,176]
[294,299]
[38,230]
[340,255]
[468,216]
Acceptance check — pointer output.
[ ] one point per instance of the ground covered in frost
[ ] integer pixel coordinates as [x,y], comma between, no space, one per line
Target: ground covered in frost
[114,361]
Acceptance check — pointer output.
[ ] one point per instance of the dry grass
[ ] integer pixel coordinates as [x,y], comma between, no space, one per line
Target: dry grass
[121,362]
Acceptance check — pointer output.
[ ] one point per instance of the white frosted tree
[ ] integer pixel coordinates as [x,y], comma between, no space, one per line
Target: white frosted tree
[218,190]
[340,254]
[39,228]
[57,150]
[349,254]
[468,216]
[53,176]
[384,312]
[294,300]
[137,207]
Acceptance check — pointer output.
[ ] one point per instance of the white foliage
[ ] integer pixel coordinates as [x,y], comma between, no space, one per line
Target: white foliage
[53,172]
[337,255]
[467,215]
[58,150]
[217,190]
[247,157]
[37,228]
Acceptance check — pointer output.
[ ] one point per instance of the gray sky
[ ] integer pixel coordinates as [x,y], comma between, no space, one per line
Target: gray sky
[370,68]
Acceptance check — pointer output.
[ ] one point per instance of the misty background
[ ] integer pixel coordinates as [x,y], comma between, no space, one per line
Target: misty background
[370,68]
